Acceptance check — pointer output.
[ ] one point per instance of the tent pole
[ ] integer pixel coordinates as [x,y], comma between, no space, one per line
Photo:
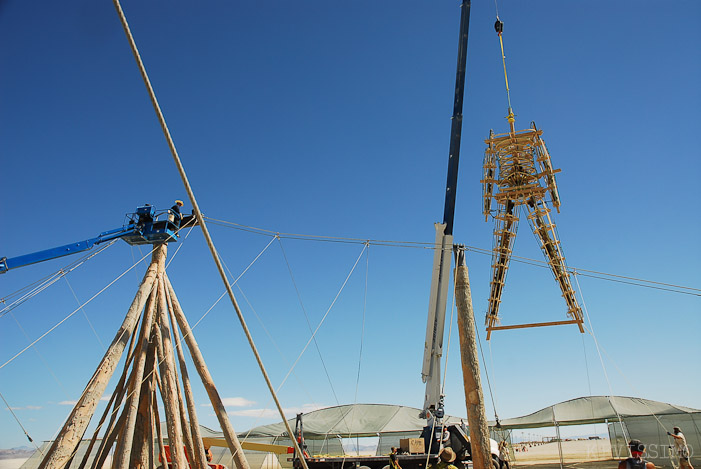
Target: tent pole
[559,444]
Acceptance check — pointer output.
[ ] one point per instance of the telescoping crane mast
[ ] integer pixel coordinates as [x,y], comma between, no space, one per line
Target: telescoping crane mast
[440,280]
[145,226]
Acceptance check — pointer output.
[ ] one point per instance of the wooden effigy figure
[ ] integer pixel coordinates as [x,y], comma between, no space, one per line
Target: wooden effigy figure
[518,171]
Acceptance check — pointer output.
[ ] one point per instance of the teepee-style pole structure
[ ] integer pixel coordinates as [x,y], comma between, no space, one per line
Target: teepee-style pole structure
[70,435]
[151,330]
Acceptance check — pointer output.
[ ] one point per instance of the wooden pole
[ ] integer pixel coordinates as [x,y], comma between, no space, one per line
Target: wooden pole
[168,386]
[154,401]
[140,454]
[123,453]
[108,441]
[239,457]
[219,409]
[117,392]
[74,428]
[474,400]
[187,435]
[152,418]
[199,458]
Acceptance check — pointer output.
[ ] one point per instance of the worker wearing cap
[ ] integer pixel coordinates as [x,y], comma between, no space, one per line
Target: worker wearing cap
[681,448]
[636,460]
[446,457]
[175,211]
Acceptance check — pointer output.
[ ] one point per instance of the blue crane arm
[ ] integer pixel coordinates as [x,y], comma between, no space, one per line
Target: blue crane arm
[54,253]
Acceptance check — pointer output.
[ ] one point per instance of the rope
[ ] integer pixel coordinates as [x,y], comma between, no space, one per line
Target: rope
[46,282]
[85,314]
[486,373]
[41,357]
[424,245]
[306,317]
[323,318]
[20,424]
[362,336]
[291,370]
[596,343]
[71,314]
[598,347]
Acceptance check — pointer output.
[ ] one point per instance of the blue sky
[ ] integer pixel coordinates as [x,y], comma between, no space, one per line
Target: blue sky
[330,118]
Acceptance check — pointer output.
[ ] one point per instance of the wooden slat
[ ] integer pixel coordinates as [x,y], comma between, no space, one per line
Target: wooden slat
[535,324]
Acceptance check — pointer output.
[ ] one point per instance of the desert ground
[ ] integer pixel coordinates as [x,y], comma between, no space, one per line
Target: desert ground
[11,463]
[572,452]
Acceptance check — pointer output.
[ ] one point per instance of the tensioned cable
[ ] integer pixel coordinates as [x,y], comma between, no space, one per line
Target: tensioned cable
[635,390]
[596,343]
[260,321]
[275,344]
[306,318]
[58,272]
[48,281]
[362,324]
[324,317]
[71,314]
[85,314]
[20,424]
[486,373]
[41,357]
[425,245]
[235,282]
[291,370]
[360,353]
[591,331]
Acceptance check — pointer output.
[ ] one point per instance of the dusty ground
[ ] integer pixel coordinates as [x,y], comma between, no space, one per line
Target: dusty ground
[572,451]
[11,463]
[609,464]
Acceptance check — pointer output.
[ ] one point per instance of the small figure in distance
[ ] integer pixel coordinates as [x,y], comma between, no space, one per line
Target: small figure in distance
[636,461]
[681,448]
[446,456]
[175,213]
[208,453]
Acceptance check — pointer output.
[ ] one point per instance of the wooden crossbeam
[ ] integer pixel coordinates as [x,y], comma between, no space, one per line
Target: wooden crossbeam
[535,324]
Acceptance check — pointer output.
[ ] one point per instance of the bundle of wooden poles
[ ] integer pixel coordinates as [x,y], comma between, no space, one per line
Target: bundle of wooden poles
[130,422]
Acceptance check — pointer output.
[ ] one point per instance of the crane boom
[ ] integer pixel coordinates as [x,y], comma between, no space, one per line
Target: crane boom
[433,347]
[145,226]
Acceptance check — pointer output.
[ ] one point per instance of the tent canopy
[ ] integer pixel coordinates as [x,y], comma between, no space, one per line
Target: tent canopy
[594,409]
[355,420]
[367,420]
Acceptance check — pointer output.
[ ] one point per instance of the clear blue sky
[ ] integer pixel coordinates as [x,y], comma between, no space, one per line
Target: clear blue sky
[332,118]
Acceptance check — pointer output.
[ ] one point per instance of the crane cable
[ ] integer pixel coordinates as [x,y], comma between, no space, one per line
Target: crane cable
[499,28]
